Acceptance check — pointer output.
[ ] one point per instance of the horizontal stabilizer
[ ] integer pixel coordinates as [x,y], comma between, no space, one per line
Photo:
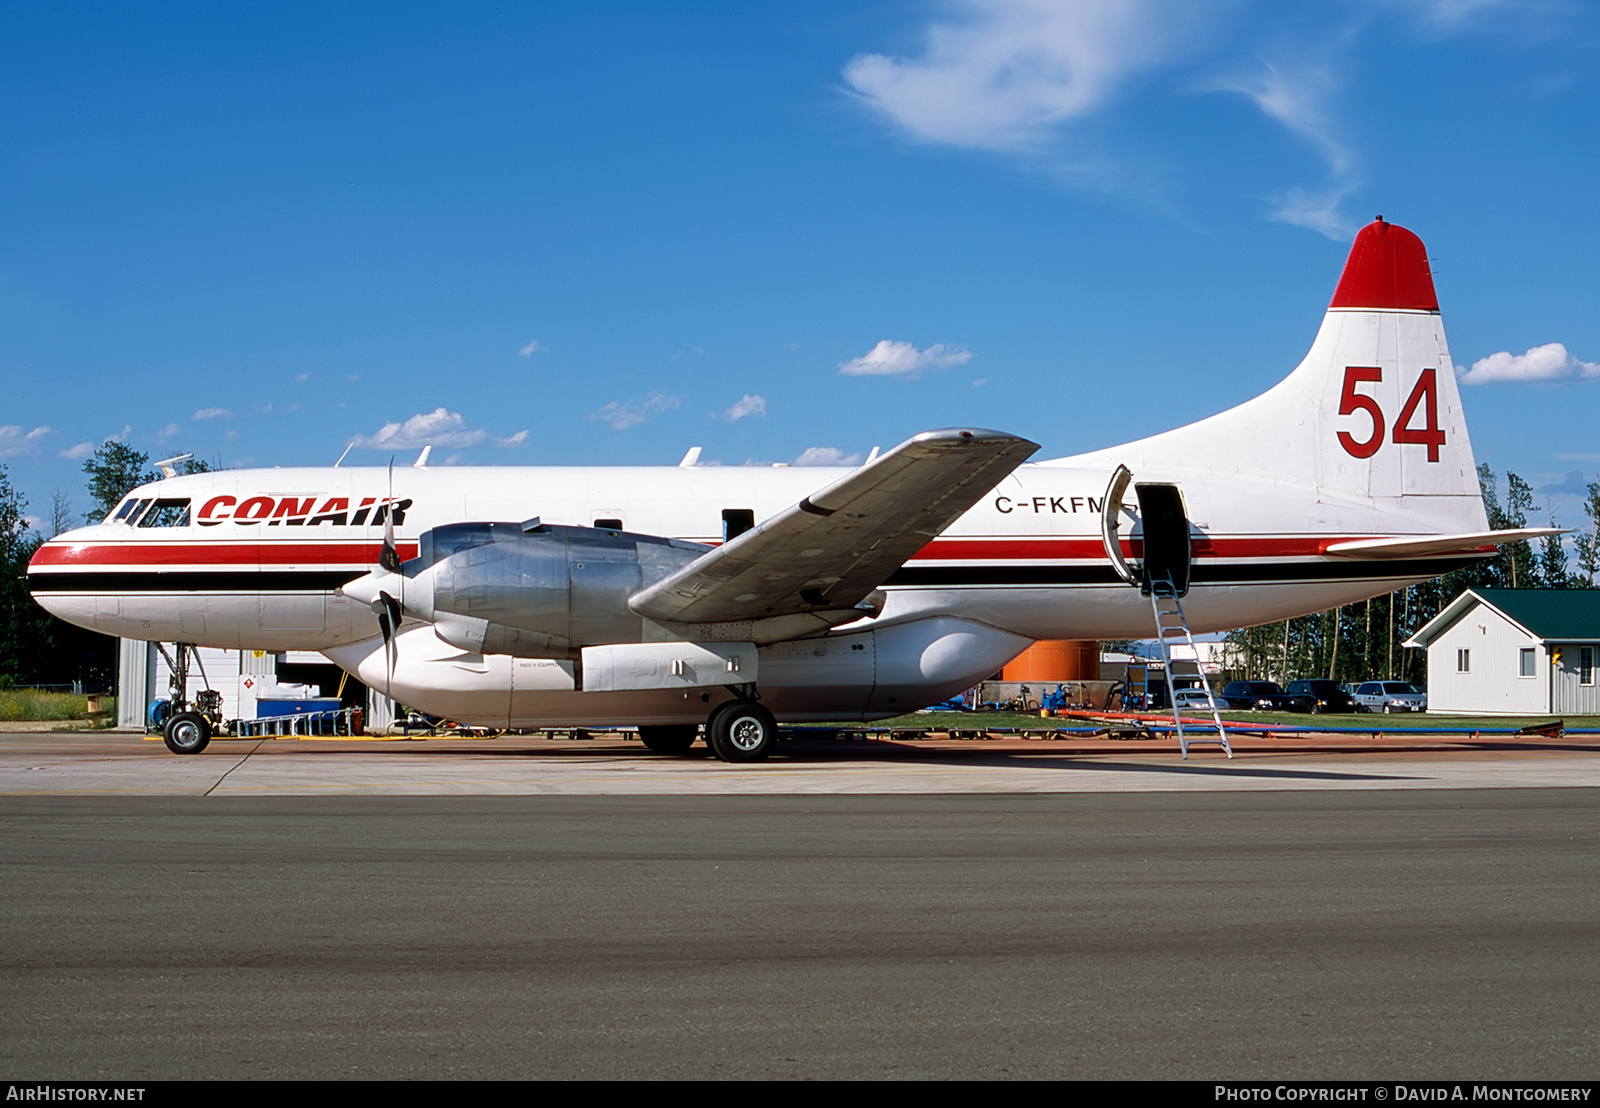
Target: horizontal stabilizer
[1416,546]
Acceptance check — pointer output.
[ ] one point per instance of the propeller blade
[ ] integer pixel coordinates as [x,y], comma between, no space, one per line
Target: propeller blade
[388,611]
[389,557]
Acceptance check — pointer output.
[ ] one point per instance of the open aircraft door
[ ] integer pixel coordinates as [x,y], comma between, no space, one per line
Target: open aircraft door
[1163,533]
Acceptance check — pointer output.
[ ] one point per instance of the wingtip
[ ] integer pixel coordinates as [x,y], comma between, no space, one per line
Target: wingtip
[962,436]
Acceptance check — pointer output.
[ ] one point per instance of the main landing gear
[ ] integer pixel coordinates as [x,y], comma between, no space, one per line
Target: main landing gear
[739,730]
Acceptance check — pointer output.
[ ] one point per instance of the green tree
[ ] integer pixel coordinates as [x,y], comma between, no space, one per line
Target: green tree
[1552,566]
[114,470]
[36,648]
[1587,543]
[13,526]
[1519,557]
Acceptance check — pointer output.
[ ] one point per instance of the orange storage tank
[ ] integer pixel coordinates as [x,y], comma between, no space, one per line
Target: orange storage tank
[1056,660]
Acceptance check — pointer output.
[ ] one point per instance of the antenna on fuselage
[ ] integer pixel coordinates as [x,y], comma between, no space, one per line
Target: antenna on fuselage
[347,450]
[169,467]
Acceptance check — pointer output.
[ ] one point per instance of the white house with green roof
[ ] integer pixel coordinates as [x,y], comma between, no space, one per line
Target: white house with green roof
[1514,652]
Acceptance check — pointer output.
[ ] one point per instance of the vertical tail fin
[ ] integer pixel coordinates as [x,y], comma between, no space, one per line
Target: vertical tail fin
[1372,416]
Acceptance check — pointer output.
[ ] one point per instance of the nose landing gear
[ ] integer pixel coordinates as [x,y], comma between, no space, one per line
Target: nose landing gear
[188,730]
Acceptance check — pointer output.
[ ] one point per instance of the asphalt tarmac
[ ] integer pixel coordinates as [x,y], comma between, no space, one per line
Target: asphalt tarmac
[1363,915]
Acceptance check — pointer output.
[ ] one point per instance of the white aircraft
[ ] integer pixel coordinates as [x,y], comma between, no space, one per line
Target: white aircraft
[665,598]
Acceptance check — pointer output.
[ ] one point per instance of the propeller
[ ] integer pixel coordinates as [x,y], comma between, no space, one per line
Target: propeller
[388,607]
[383,590]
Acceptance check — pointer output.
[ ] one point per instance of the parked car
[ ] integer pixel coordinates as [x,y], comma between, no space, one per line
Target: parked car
[1390,696]
[1196,700]
[1265,696]
[1330,695]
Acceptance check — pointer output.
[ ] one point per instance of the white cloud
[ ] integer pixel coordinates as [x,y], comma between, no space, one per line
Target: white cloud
[1549,362]
[1316,210]
[1006,74]
[436,428]
[534,347]
[747,405]
[1457,15]
[634,411]
[900,359]
[1298,97]
[302,378]
[826,456]
[513,440]
[82,450]
[1036,79]
[14,440]
[212,413]
[166,433]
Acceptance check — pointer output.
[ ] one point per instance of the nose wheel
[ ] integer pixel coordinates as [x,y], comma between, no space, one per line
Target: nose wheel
[186,733]
[741,731]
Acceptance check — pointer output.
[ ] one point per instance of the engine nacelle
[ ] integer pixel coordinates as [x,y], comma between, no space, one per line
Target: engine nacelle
[536,591]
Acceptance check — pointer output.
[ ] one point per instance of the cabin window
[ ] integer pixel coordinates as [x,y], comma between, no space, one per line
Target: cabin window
[736,521]
[1525,662]
[167,513]
[1463,661]
[1585,665]
[608,524]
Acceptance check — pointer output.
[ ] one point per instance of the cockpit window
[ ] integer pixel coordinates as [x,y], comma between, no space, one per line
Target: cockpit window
[130,510]
[167,513]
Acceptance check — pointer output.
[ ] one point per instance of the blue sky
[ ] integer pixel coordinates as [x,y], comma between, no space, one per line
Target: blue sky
[604,233]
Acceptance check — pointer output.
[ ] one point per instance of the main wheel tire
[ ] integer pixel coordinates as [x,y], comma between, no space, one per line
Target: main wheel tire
[742,731]
[669,739]
[186,733]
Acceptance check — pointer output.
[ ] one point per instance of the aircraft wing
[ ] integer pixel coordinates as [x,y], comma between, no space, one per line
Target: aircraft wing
[830,551]
[1413,546]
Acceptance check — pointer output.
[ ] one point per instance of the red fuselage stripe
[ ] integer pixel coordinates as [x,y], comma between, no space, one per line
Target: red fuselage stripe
[215,554]
[986,550]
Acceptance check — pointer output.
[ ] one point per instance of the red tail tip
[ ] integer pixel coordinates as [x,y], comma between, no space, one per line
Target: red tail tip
[1387,268]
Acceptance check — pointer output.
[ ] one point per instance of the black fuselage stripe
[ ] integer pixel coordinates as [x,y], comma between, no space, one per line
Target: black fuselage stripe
[229,581]
[1202,573]
[925,577]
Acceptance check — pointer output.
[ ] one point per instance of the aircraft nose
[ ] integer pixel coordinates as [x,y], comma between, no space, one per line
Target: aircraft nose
[56,565]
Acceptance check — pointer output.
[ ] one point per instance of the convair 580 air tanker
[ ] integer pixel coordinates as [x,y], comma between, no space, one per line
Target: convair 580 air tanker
[667,598]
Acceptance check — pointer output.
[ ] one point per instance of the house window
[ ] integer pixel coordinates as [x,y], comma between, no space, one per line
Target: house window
[1463,661]
[1525,662]
[1585,665]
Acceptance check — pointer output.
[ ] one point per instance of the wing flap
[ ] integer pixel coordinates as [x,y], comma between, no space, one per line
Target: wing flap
[828,552]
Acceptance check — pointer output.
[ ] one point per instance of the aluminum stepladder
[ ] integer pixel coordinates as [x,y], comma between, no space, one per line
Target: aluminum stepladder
[1163,576]
[1171,625]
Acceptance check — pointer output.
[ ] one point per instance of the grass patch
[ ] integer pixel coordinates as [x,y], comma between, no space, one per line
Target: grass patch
[30,705]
